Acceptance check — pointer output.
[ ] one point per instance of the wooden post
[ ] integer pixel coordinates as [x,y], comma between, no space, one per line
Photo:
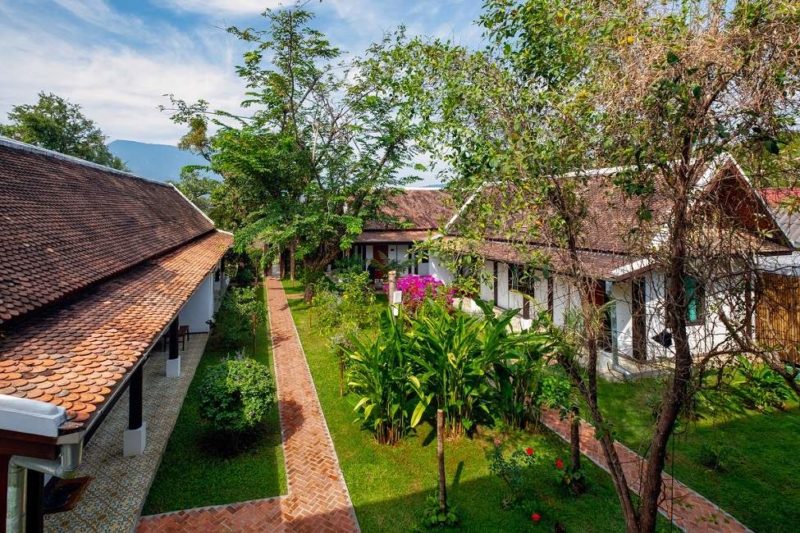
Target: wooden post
[392,286]
[440,456]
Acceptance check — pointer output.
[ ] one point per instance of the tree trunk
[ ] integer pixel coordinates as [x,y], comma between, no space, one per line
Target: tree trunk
[575,439]
[292,248]
[440,457]
[676,395]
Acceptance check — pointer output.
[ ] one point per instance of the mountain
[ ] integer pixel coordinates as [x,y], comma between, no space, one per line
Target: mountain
[160,162]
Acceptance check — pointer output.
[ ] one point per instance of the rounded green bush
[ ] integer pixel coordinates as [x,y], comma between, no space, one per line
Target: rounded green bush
[236,395]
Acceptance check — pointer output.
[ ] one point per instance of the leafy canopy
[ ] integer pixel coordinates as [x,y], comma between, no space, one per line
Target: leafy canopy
[322,144]
[56,124]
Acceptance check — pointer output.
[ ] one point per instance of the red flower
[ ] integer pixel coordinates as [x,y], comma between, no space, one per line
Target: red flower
[529,451]
[559,464]
[535,517]
[497,442]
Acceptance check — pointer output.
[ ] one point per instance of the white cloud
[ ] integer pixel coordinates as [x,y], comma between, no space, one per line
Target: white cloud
[118,86]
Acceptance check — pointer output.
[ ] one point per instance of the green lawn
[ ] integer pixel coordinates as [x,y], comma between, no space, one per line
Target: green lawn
[760,487]
[192,475]
[388,485]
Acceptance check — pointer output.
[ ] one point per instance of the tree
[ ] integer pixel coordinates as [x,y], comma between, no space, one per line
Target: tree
[56,124]
[197,188]
[659,89]
[321,148]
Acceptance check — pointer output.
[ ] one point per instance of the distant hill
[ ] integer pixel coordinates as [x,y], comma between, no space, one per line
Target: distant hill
[160,162]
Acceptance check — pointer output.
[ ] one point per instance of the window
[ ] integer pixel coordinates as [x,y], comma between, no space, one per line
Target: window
[694,300]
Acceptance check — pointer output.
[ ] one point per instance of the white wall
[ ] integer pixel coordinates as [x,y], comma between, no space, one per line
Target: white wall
[487,282]
[623,327]
[199,308]
[437,269]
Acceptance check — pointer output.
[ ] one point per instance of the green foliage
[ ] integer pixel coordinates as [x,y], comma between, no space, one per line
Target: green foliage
[320,146]
[197,188]
[472,367]
[515,471]
[379,375]
[762,387]
[236,396]
[55,123]
[347,306]
[433,517]
[716,456]
[240,313]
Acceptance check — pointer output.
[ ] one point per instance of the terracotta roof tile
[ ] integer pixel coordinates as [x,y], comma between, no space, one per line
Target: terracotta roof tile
[417,209]
[76,356]
[65,225]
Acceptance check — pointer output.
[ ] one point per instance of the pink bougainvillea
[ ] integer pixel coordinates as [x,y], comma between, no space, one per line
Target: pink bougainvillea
[416,288]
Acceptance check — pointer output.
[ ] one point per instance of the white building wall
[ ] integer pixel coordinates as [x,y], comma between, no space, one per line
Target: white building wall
[200,307]
[623,323]
[487,282]
[437,269]
[704,337]
[502,285]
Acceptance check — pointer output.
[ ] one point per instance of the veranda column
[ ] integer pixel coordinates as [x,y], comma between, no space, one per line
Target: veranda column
[135,436]
[174,358]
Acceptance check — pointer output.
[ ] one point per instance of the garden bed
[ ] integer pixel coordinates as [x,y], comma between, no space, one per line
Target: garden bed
[389,484]
[193,472]
[759,483]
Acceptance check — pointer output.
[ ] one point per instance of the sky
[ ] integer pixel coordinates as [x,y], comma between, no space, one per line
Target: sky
[118,59]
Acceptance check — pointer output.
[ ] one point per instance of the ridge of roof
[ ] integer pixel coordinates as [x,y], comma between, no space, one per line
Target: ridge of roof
[32,148]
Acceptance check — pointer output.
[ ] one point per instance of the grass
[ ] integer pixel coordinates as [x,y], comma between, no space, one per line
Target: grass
[192,475]
[389,484]
[760,485]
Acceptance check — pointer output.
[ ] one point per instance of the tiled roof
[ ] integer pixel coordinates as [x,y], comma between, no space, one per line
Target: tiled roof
[77,355]
[611,216]
[412,235]
[595,264]
[788,219]
[65,225]
[418,209]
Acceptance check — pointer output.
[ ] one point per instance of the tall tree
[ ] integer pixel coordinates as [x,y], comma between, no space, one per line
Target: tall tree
[661,89]
[321,148]
[56,124]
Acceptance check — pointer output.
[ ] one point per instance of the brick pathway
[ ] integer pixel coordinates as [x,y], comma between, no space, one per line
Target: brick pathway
[318,500]
[689,510]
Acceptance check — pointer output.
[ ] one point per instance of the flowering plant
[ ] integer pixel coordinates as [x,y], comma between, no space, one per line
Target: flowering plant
[416,289]
[514,470]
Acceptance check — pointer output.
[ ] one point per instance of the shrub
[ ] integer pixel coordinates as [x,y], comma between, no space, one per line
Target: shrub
[515,472]
[417,289]
[379,374]
[236,396]
[433,517]
[716,456]
[762,388]
[240,313]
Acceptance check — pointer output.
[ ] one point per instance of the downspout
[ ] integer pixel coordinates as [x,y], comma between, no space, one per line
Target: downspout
[33,417]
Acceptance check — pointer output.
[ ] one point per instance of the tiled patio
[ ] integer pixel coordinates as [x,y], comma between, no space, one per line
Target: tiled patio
[318,500]
[114,499]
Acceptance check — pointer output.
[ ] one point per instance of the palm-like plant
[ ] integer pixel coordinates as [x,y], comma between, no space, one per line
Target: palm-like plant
[447,350]
[379,374]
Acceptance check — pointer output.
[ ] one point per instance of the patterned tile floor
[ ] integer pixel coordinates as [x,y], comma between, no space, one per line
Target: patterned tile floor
[690,511]
[318,500]
[115,497]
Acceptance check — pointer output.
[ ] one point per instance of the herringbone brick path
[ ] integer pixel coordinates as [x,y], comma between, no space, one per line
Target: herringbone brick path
[689,510]
[318,500]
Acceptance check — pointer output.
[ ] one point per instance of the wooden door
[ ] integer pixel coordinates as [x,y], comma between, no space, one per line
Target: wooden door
[778,315]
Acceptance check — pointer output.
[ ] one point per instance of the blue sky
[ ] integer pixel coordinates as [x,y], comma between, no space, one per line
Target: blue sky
[117,58]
